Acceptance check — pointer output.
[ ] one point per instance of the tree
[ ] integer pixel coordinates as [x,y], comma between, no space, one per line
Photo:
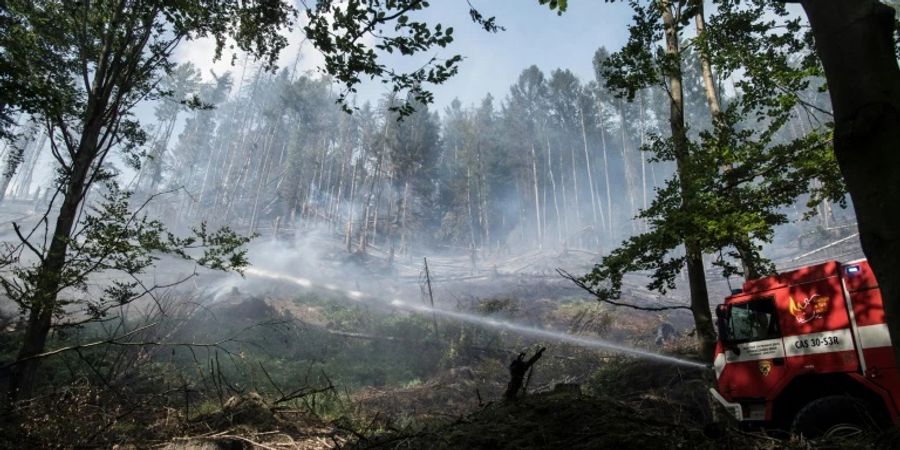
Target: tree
[636,67]
[693,256]
[855,42]
[525,115]
[731,183]
[413,145]
[98,60]
[457,226]
[193,151]
[178,86]
[342,31]
[17,147]
[600,93]
[860,65]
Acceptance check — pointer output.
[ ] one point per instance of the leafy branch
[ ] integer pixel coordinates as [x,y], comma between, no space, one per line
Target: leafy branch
[339,30]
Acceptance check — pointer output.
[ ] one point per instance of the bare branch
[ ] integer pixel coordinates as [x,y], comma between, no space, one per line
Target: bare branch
[82,346]
[24,241]
[603,299]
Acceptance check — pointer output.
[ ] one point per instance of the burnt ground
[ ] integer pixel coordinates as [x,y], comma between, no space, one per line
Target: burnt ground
[629,404]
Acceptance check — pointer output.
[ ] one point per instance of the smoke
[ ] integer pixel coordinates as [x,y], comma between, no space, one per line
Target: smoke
[418,308]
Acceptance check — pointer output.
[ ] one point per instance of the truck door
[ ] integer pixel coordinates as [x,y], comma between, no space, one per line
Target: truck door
[818,337]
[755,358]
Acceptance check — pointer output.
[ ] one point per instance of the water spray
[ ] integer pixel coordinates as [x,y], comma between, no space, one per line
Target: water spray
[557,336]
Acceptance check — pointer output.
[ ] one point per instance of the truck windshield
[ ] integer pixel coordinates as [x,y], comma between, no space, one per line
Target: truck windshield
[753,321]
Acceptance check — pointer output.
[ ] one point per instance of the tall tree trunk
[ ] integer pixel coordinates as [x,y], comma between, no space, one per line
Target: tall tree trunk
[44,297]
[590,175]
[320,183]
[484,210]
[390,184]
[364,232]
[609,212]
[854,40]
[743,244]
[404,211]
[13,162]
[559,227]
[212,172]
[159,155]
[352,200]
[237,188]
[5,178]
[26,173]
[537,198]
[207,174]
[339,197]
[693,252]
[565,198]
[235,148]
[641,154]
[577,204]
[629,171]
[262,177]
[471,216]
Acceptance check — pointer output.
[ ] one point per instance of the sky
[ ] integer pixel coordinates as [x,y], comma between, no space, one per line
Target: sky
[492,62]
[534,35]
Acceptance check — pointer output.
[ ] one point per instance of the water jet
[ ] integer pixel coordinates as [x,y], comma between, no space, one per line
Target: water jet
[525,330]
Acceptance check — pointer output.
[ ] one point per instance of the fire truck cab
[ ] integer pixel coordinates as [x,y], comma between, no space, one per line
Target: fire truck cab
[808,350]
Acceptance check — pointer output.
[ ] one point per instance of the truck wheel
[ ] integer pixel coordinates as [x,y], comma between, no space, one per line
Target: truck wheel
[834,417]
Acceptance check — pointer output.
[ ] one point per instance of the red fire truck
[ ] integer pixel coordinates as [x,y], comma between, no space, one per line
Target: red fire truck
[808,350]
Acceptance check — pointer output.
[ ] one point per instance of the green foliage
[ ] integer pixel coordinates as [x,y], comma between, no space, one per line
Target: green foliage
[741,173]
[772,50]
[113,240]
[80,69]
[340,31]
[558,5]
[52,46]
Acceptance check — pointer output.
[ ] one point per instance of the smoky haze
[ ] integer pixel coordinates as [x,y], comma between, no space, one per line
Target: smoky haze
[553,164]
[496,195]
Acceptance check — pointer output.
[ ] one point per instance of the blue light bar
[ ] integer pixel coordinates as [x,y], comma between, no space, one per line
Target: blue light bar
[853,269]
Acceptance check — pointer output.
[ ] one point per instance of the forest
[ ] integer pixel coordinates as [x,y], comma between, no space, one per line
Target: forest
[279,255]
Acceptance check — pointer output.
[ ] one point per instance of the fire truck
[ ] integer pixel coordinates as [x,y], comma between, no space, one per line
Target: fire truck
[808,351]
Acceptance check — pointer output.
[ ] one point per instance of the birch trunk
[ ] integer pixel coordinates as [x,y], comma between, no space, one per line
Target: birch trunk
[587,160]
[555,201]
[693,252]
[629,171]
[743,244]
[609,211]
[537,198]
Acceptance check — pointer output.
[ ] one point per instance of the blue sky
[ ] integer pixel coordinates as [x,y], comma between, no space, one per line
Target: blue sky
[534,35]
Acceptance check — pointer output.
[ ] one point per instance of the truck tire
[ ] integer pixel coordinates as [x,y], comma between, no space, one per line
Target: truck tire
[834,417]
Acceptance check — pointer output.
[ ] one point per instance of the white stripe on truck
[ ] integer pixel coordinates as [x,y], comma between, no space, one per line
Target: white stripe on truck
[872,336]
[752,351]
[821,342]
